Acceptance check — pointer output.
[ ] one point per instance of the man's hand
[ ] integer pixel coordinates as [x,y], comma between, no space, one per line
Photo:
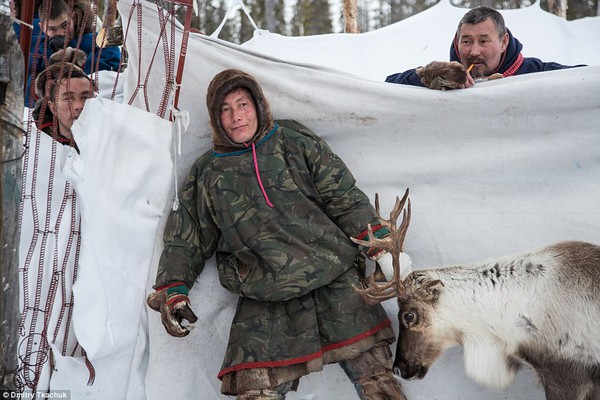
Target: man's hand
[441,75]
[174,306]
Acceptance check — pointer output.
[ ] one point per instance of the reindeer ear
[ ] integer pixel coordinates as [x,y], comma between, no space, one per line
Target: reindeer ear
[430,290]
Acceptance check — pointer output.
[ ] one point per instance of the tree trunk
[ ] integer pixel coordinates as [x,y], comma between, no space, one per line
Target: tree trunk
[270,17]
[11,114]
[558,7]
[350,16]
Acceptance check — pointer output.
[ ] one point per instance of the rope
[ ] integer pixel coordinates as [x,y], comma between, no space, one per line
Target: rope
[181,120]
[233,7]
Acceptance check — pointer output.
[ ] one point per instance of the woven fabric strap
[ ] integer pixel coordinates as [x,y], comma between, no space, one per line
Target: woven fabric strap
[513,68]
[176,293]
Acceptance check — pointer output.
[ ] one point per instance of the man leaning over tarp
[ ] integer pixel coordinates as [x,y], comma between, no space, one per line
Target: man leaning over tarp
[482,49]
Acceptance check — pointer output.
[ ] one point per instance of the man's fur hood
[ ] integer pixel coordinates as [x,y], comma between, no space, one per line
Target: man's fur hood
[224,83]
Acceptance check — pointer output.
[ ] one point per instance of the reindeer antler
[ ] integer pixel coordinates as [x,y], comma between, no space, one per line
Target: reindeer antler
[375,293]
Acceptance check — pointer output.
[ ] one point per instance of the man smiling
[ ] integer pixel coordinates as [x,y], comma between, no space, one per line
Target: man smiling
[238,116]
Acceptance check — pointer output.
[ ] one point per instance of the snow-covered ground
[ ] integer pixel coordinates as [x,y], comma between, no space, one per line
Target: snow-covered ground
[500,168]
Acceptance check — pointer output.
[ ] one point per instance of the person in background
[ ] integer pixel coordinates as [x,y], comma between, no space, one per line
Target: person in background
[63,102]
[71,30]
[278,208]
[482,49]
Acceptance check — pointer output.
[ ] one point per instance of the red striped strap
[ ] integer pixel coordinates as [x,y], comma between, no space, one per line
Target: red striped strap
[513,68]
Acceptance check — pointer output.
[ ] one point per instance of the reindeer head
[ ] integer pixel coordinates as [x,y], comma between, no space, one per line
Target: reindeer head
[418,347]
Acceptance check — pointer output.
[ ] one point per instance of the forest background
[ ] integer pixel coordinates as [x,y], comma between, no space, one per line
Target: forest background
[315,17]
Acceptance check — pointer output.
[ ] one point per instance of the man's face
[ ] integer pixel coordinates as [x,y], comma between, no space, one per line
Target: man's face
[68,103]
[61,26]
[481,45]
[238,116]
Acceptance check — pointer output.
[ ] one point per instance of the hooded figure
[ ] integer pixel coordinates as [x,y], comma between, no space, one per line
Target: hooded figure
[223,84]
[278,209]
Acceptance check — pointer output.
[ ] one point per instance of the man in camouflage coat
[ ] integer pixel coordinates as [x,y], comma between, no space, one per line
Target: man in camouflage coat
[277,206]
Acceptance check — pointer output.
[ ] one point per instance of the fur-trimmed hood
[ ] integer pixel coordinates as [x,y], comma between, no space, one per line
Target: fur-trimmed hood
[221,85]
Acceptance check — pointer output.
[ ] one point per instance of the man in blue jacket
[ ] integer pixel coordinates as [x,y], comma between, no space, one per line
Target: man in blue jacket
[73,25]
[483,48]
[65,24]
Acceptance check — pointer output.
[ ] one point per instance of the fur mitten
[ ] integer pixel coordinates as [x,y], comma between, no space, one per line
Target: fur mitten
[441,75]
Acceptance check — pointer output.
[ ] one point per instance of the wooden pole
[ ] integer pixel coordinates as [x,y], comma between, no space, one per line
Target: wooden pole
[27,10]
[558,7]
[11,149]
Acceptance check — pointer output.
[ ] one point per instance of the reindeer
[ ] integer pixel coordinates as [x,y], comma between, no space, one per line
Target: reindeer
[540,308]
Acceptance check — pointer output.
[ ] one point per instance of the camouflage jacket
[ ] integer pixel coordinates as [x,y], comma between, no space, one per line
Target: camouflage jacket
[268,254]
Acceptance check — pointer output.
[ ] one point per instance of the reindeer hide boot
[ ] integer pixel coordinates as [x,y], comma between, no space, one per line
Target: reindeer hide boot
[371,374]
[277,393]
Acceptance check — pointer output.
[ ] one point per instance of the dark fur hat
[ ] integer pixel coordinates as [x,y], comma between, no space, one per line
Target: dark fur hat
[67,58]
[221,85]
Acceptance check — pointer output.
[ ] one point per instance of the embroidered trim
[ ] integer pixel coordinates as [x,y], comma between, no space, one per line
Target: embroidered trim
[170,285]
[513,68]
[365,233]
[237,153]
[306,358]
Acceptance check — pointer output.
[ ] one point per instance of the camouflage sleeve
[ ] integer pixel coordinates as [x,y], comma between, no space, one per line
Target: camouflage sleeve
[190,237]
[341,199]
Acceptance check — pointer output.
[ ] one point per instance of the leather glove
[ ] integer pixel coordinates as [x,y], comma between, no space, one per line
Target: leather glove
[174,306]
[56,43]
[384,260]
[441,75]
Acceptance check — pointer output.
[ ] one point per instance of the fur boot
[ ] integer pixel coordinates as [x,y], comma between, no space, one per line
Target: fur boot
[371,374]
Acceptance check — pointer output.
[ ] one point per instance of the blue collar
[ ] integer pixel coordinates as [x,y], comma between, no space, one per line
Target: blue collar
[239,152]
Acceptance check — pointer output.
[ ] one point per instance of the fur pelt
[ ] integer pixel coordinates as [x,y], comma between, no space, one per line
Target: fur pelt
[441,75]
[66,58]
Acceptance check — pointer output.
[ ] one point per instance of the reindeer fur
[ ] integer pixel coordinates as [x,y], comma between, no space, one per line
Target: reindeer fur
[540,308]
